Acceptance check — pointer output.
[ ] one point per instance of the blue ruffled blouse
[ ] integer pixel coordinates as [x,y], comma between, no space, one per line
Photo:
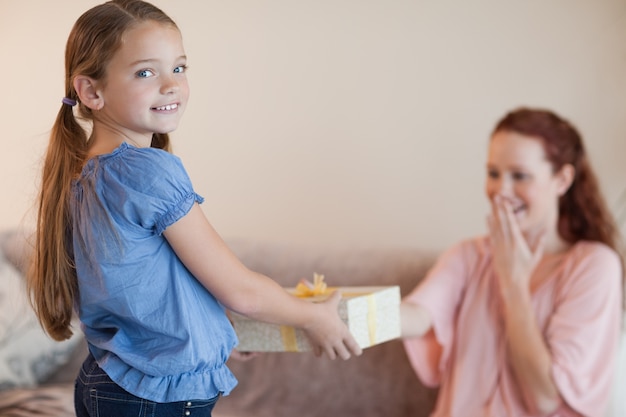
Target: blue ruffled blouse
[149,323]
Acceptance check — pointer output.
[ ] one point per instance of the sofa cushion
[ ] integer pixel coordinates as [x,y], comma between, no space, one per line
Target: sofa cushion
[27,355]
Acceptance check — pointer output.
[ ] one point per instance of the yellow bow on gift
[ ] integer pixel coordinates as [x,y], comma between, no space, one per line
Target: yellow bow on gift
[307,289]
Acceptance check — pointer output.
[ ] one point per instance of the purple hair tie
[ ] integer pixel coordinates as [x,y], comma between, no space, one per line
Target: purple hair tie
[69,101]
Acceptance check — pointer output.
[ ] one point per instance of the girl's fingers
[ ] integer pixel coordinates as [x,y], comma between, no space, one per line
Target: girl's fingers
[330,352]
[342,352]
[352,347]
[317,350]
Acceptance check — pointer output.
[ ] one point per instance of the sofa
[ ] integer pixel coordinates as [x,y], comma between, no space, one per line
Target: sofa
[380,382]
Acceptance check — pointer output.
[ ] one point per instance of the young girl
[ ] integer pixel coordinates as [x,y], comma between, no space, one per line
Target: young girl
[525,321]
[121,238]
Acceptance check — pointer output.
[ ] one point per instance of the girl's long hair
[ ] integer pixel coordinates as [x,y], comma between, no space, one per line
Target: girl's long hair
[94,39]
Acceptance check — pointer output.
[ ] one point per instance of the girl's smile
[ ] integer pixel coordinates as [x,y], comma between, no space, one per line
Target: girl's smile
[167,107]
[145,89]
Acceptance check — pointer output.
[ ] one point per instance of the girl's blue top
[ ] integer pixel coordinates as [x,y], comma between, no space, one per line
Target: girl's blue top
[149,323]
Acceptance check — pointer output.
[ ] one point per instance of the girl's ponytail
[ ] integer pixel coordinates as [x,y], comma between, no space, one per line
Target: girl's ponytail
[52,279]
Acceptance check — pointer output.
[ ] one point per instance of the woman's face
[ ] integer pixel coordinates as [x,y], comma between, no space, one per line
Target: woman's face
[518,170]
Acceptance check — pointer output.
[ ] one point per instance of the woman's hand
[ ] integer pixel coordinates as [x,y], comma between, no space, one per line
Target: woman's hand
[243,356]
[514,257]
[328,334]
[415,320]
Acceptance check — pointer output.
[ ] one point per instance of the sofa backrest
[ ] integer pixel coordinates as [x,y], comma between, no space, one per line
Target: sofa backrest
[380,382]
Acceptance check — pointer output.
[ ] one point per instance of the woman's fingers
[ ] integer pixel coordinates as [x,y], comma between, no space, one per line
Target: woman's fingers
[243,356]
[536,244]
[498,224]
[505,224]
[511,223]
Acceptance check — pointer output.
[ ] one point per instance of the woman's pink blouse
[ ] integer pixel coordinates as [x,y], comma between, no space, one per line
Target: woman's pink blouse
[577,307]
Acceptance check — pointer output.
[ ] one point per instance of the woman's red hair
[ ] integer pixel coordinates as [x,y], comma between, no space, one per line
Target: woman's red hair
[583,212]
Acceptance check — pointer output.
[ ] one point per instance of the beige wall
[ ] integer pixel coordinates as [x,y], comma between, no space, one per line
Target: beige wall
[342,121]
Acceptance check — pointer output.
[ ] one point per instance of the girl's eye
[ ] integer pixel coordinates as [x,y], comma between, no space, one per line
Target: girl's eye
[145,73]
[180,69]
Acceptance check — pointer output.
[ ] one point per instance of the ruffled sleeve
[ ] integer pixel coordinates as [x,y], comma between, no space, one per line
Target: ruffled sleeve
[148,188]
[583,333]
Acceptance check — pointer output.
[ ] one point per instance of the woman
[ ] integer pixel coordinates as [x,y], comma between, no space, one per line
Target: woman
[525,321]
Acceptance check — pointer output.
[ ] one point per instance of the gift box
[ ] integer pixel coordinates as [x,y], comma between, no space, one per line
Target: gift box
[371,313]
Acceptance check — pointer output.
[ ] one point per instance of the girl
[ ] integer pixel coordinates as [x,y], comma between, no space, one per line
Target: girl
[525,321]
[121,238]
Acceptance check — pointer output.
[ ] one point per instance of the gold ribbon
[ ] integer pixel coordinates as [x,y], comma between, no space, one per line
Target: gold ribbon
[288,335]
[371,318]
[306,289]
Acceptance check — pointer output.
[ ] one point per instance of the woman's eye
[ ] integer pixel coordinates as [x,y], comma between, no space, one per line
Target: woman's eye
[144,73]
[180,69]
[492,174]
[519,176]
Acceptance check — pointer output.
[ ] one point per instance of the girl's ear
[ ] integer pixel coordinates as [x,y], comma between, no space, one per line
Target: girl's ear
[88,93]
[565,178]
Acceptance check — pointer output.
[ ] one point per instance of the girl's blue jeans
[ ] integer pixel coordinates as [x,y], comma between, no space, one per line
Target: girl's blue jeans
[96,395]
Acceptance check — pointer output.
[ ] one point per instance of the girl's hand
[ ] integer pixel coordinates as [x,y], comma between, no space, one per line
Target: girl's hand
[255,295]
[514,258]
[328,334]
